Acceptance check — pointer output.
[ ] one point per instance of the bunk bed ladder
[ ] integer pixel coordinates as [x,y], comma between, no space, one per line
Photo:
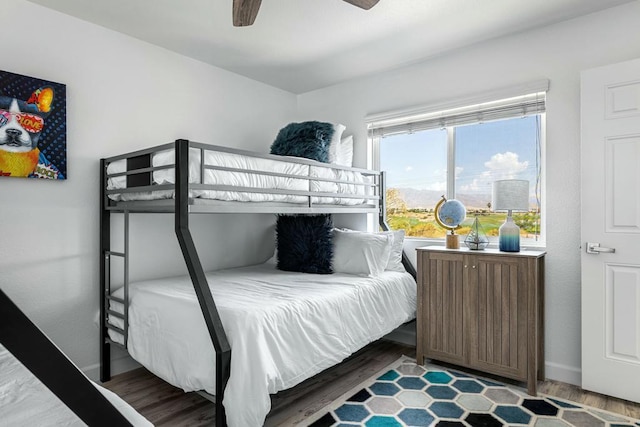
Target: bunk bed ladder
[105,245]
[105,286]
[198,278]
[124,316]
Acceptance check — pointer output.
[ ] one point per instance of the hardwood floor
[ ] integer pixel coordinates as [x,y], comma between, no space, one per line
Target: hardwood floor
[165,405]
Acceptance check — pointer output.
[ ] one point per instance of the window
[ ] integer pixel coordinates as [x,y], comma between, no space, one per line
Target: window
[458,153]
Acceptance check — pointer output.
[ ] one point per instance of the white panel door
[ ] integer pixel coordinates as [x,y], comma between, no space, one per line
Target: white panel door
[610,155]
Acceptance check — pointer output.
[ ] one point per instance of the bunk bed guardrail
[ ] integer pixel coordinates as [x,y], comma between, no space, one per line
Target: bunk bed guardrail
[140,169]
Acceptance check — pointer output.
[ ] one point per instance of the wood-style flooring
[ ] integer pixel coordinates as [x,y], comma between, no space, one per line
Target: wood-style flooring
[165,405]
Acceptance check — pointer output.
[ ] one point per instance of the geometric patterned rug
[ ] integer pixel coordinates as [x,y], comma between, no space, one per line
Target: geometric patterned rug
[405,394]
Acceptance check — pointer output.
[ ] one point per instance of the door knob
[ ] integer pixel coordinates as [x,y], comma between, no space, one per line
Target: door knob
[595,248]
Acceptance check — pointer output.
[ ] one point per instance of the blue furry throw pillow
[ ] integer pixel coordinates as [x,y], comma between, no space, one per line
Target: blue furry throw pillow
[307,139]
[305,243]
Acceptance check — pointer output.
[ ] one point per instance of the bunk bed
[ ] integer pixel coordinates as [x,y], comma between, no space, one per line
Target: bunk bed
[184,178]
[39,385]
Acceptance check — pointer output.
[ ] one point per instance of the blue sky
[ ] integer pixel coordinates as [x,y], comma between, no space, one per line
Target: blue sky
[485,152]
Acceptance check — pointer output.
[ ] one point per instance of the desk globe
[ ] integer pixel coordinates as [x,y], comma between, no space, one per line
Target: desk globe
[449,214]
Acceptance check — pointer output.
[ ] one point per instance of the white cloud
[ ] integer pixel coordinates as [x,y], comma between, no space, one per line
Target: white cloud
[408,169]
[438,186]
[473,186]
[438,181]
[504,166]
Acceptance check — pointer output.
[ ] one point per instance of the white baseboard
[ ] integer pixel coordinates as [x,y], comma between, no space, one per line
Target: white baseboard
[406,334]
[563,373]
[118,366]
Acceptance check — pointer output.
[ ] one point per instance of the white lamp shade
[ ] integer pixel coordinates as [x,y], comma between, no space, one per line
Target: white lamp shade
[510,195]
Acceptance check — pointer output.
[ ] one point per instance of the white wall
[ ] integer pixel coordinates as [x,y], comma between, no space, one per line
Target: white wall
[122,94]
[556,52]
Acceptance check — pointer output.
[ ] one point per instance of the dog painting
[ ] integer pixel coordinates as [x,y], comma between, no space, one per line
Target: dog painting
[32,127]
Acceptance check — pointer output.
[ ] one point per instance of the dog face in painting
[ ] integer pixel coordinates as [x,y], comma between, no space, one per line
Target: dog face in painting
[22,121]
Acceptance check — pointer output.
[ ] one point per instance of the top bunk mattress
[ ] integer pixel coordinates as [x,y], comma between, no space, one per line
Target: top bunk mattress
[283,328]
[247,178]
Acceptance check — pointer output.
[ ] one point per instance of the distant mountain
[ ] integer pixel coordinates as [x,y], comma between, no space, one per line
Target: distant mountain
[475,201]
[427,199]
[420,199]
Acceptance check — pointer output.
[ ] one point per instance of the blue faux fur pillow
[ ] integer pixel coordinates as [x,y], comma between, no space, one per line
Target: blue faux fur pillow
[304,243]
[307,139]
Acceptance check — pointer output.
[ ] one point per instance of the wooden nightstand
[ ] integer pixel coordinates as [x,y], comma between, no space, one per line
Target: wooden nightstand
[482,310]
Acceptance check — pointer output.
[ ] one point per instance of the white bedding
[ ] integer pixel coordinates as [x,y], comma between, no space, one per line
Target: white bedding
[25,401]
[283,328]
[244,179]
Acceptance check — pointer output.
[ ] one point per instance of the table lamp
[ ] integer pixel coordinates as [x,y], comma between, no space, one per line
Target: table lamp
[510,195]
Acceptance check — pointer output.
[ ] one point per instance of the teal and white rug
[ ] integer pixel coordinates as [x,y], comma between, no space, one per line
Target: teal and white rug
[405,394]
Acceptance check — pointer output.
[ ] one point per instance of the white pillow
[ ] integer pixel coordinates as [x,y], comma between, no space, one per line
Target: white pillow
[395,256]
[274,258]
[334,146]
[345,152]
[360,253]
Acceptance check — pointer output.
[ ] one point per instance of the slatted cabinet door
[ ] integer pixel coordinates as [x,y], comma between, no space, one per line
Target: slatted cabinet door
[498,308]
[442,285]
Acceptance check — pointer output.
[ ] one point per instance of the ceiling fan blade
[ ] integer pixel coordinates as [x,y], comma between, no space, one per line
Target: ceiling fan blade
[245,12]
[364,4]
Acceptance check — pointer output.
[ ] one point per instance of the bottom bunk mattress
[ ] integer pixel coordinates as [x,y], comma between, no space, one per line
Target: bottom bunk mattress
[283,328]
[25,401]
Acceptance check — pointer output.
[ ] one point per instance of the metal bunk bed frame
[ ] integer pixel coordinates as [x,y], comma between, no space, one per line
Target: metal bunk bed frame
[138,173]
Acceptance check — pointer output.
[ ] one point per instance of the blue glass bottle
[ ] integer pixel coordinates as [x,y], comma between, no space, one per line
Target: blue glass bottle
[509,236]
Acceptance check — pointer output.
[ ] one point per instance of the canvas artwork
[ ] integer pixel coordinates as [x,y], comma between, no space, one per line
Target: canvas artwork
[33,129]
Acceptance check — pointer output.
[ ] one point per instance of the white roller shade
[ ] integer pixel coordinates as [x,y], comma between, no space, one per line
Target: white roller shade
[514,106]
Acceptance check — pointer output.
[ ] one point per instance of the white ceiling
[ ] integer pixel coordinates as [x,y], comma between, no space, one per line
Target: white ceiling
[302,45]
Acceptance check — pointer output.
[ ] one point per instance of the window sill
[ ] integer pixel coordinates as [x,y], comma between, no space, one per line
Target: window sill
[419,241]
